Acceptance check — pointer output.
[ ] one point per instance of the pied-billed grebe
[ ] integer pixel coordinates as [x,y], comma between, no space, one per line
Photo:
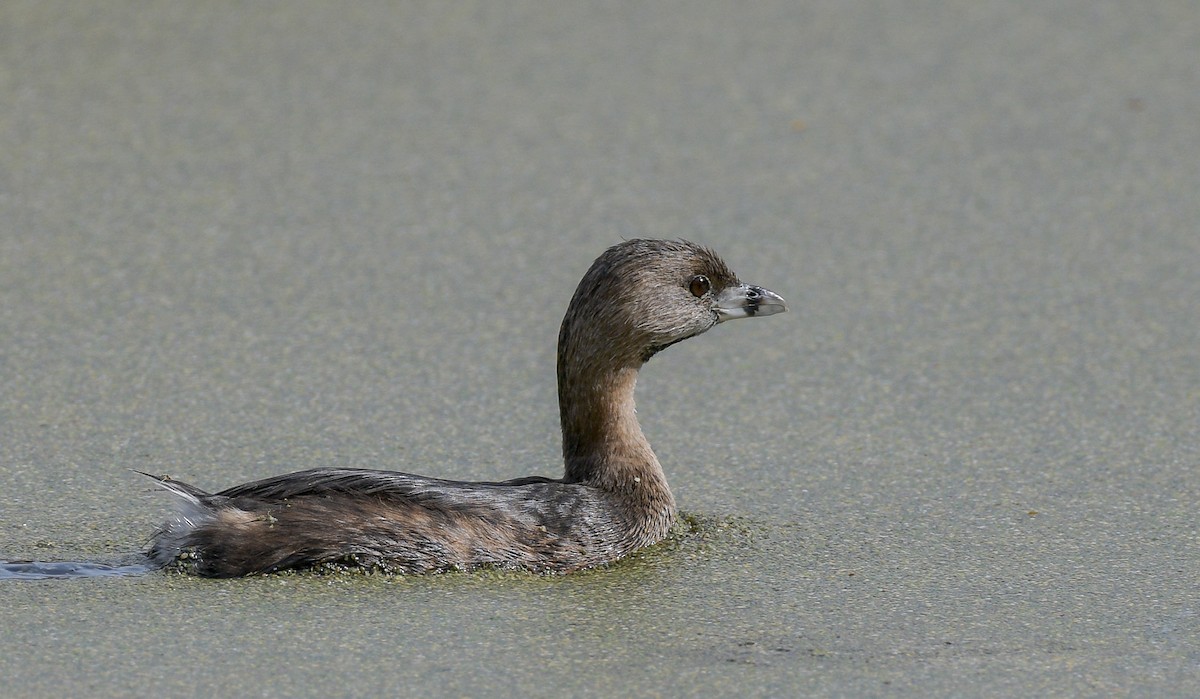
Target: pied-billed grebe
[638,298]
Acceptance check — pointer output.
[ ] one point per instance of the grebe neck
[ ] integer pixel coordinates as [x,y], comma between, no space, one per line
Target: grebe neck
[603,445]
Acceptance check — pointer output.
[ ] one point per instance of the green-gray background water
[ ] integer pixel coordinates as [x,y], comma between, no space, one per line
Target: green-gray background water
[241,239]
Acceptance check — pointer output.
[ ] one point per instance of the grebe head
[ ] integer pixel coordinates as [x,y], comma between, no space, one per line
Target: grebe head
[642,296]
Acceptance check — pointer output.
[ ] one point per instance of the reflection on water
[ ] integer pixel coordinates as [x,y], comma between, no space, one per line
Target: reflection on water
[39,570]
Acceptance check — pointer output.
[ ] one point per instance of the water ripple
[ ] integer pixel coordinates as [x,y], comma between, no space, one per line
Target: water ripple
[42,570]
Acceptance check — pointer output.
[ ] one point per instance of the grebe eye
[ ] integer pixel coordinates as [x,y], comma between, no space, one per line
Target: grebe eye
[699,286]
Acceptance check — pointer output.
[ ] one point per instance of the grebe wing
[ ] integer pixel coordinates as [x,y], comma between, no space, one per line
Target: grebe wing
[354,481]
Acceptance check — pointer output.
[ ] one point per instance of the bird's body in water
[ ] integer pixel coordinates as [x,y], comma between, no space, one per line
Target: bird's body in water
[638,298]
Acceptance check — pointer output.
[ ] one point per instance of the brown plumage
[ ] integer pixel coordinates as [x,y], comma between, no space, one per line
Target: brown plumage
[638,298]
